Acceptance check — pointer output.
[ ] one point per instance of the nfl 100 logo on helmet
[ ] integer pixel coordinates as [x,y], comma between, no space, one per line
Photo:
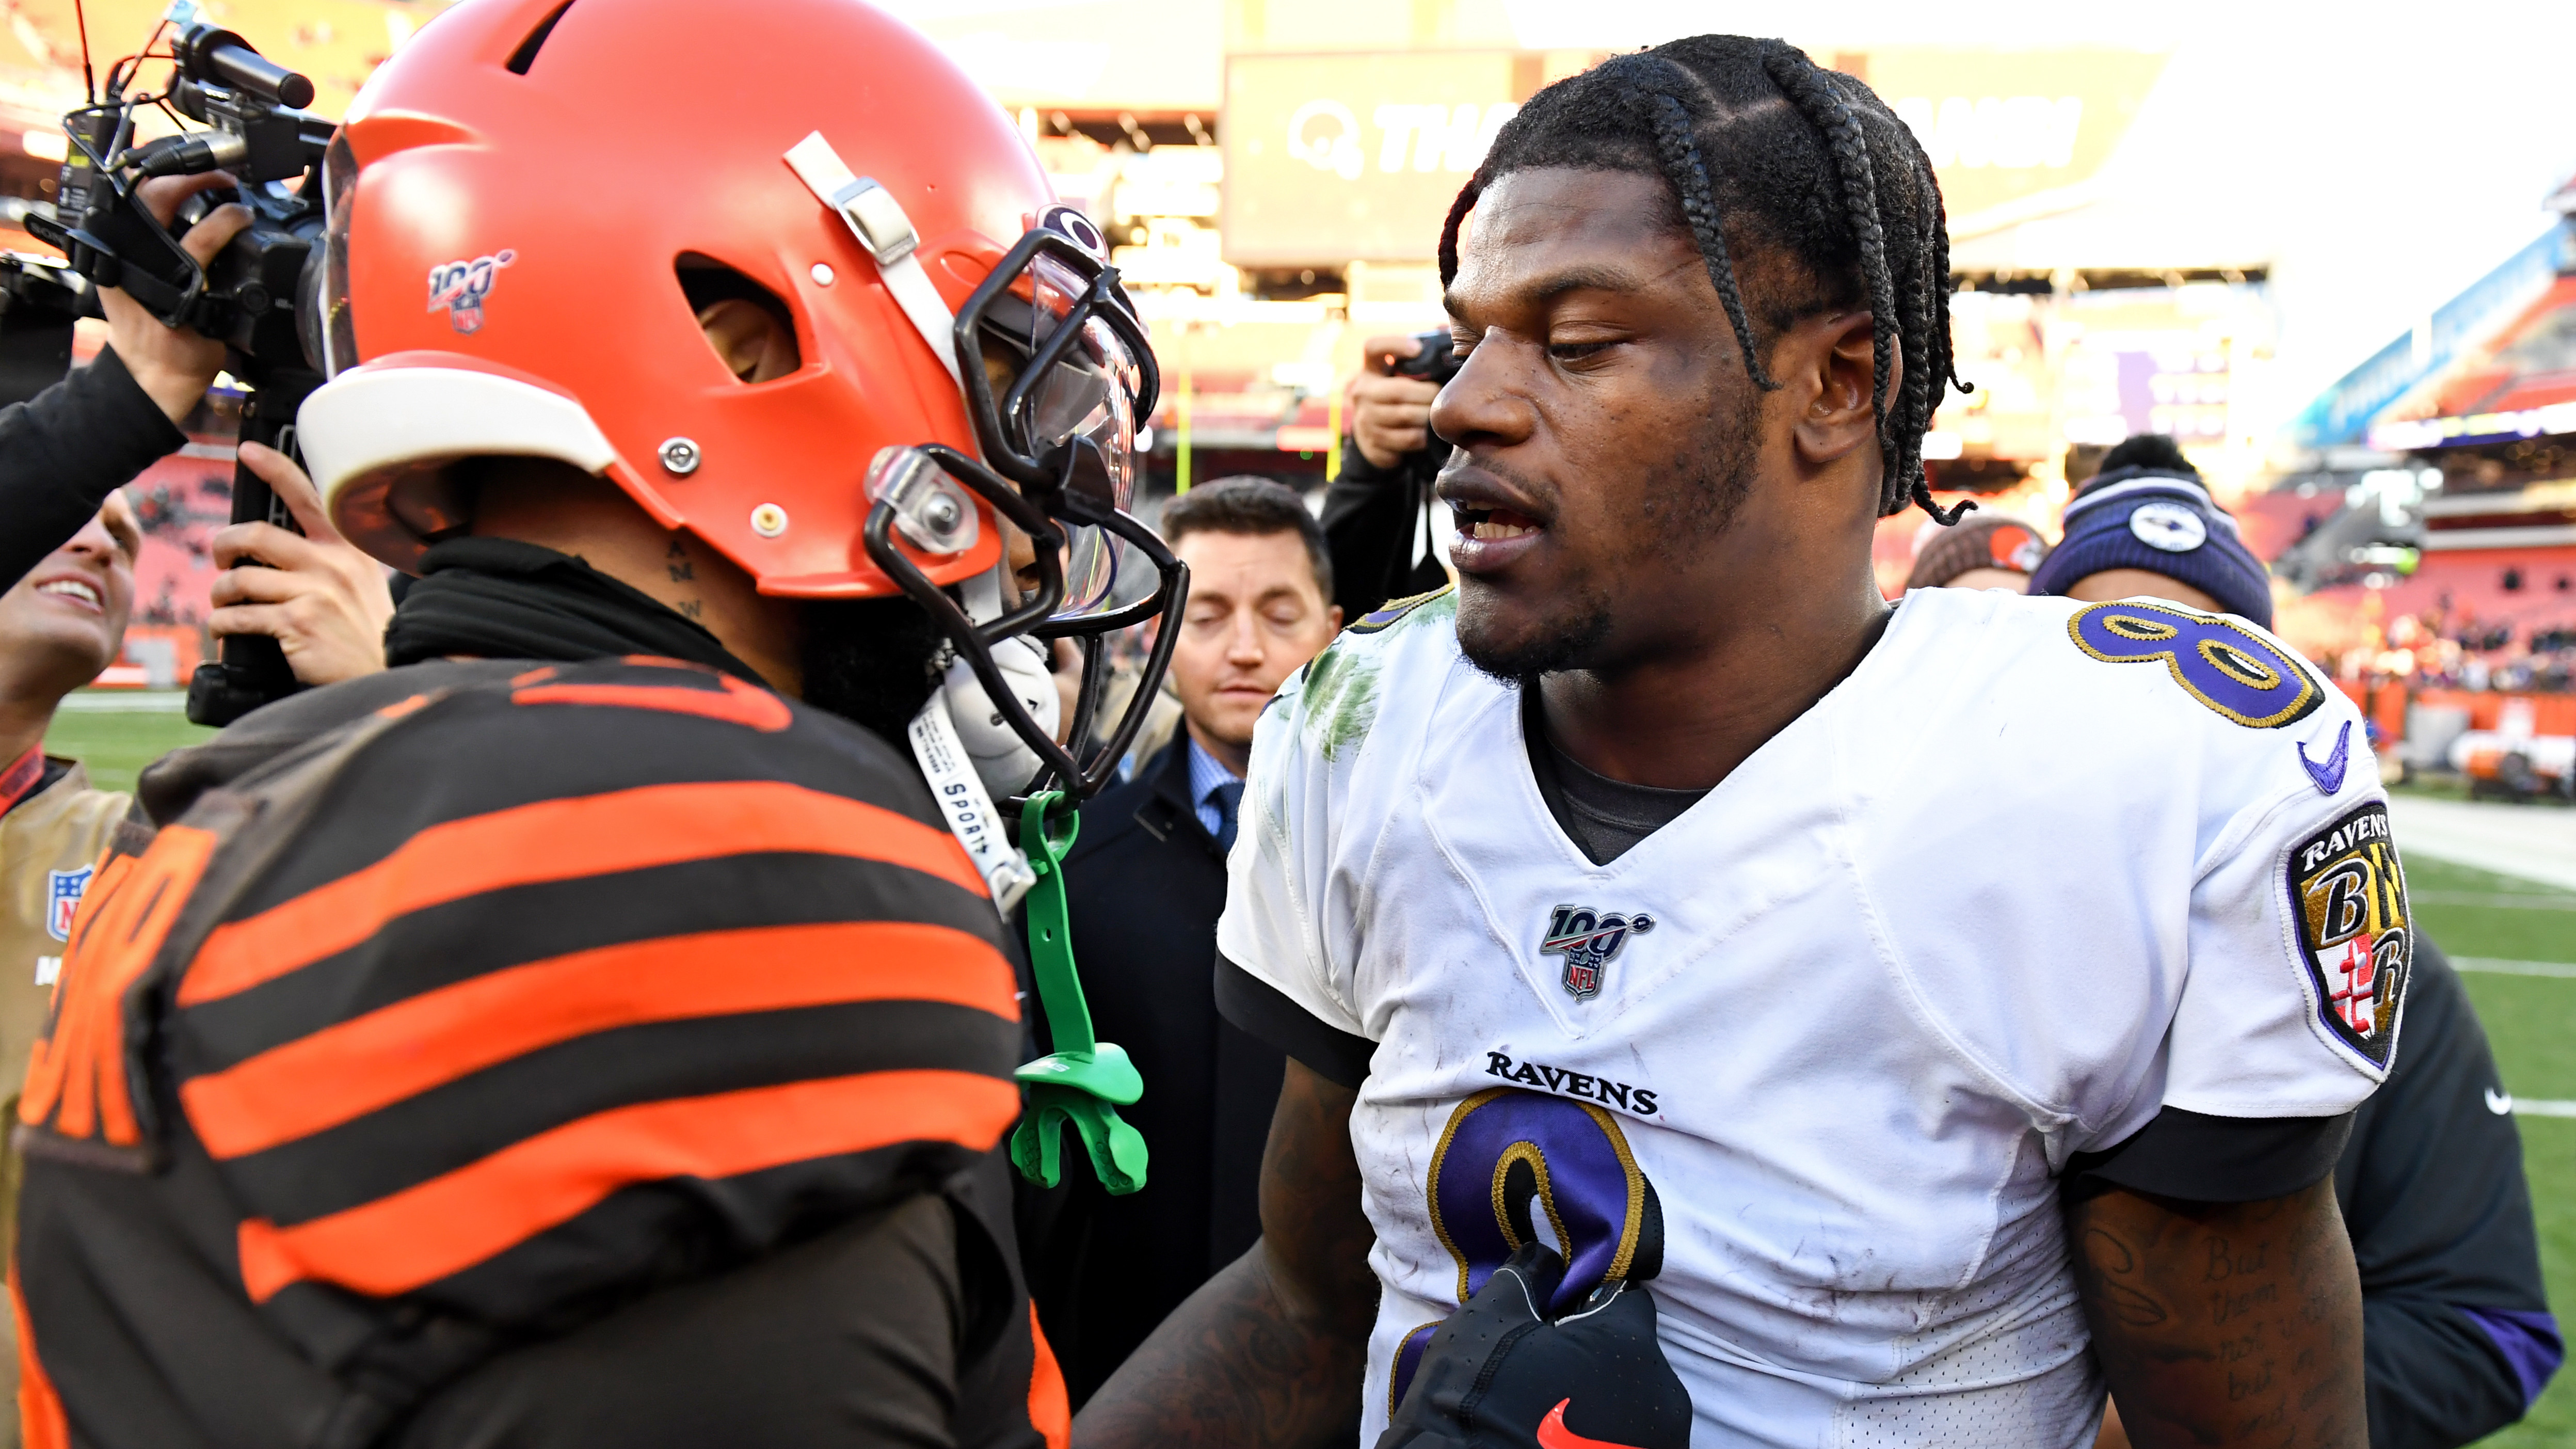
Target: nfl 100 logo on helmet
[1588,939]
[461,286]
[2349,899]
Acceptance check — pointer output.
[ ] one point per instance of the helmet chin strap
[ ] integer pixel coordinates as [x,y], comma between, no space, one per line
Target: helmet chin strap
[965,804]
[879,222]
[981,596]
[968,756]
[962,779]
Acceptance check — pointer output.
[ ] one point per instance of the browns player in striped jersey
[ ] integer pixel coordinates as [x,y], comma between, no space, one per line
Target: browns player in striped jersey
[590,1030]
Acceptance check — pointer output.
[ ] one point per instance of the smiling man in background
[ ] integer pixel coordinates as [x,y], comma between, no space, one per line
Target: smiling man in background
[1146,882]
[59,626]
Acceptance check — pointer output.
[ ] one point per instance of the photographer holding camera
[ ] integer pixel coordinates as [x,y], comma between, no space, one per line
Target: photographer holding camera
[63,452]
[1376,513]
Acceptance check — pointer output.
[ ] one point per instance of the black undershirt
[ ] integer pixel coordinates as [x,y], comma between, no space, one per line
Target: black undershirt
[1605,818]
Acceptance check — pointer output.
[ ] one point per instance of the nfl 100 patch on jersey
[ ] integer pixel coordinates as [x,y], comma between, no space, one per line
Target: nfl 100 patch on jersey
[2348,898]
[1588,940]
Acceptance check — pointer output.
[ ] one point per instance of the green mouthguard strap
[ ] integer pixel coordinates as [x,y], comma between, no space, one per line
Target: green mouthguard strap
[1083,1082]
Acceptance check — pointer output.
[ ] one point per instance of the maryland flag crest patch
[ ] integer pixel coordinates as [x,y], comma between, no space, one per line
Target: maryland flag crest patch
[2349,899]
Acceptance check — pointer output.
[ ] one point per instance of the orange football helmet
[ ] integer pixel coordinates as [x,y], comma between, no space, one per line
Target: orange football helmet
[519,204]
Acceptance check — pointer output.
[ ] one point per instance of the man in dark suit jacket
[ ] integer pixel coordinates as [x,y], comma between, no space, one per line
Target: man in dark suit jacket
[1145,883]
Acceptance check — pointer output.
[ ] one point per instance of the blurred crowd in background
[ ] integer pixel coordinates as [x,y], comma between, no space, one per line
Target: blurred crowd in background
[2151,235]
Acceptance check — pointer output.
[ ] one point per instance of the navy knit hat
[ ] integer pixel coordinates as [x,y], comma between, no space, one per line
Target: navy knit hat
[2160,519]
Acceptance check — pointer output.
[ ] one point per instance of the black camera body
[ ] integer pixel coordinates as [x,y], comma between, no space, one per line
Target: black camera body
[254,283]
[246,297]
[40,300]
[1436,361]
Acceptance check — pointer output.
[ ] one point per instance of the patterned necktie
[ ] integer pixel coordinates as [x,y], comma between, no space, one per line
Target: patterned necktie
[1228,798]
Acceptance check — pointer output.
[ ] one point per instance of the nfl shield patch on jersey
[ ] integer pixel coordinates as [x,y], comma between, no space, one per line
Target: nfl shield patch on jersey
[1588,939]
[63,892]
[2349,899]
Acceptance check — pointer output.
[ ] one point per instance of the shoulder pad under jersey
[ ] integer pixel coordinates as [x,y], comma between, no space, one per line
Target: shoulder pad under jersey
[1393,611]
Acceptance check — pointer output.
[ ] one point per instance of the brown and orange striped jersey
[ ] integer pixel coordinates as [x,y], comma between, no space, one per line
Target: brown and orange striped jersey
[462,1016]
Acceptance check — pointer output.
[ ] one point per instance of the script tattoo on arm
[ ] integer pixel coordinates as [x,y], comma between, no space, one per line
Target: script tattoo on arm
[2225,1323]
[1269,1352]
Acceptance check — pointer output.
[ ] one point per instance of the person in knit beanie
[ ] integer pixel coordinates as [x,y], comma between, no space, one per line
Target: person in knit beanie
[2146,526]
[1988,551]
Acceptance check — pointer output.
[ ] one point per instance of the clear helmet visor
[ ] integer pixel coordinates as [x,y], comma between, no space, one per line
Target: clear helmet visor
[1084,397]
[322,320]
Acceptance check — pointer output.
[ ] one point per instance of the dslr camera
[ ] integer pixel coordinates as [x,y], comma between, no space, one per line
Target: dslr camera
[251,297]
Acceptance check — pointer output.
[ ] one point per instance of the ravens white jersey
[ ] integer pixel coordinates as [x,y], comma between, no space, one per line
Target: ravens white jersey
[1811,1060]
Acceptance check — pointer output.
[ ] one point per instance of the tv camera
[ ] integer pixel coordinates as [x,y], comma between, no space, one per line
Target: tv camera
[250,296]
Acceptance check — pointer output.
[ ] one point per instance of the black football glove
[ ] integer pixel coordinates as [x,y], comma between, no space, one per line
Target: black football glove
[1498,1375]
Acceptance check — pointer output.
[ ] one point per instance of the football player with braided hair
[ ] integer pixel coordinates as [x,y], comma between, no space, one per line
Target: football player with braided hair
[1724,1009]
[601,1027]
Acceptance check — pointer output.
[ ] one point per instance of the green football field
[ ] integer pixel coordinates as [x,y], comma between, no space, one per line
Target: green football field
[117,745]
[2530,1018]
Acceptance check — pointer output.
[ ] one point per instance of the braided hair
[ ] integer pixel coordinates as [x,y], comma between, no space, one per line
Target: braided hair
[1765,149]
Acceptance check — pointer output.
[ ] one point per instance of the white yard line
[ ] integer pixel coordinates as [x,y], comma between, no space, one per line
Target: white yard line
[2527,1107]
[125,701]
[2534,842]
[2506,903]
[2512,968]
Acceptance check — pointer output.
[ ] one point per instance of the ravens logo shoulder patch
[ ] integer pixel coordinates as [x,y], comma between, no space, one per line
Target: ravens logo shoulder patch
[2348,898]
[2234,671]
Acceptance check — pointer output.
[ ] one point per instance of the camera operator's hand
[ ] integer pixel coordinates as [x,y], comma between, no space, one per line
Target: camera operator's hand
[323,601]
[1390,415]
[173,365]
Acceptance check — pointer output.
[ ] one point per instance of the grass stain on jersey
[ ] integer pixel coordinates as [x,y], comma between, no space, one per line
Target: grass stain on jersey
[1341,700]
[1341,686]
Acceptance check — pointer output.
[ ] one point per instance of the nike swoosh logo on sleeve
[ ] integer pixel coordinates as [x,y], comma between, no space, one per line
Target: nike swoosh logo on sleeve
[2328,773]
[2500,1103]
[1552,1433]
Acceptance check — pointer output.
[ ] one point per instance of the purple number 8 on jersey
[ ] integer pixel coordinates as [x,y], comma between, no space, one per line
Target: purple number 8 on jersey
[2223,664]
[1508,1155]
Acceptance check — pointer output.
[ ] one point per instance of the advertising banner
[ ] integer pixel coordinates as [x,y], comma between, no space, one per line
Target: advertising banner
[2012,133]
[1337,158]
[1341,157]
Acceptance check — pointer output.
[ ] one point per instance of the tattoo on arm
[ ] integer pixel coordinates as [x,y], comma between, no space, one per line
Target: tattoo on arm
[1270,1352]
[2225,1323]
